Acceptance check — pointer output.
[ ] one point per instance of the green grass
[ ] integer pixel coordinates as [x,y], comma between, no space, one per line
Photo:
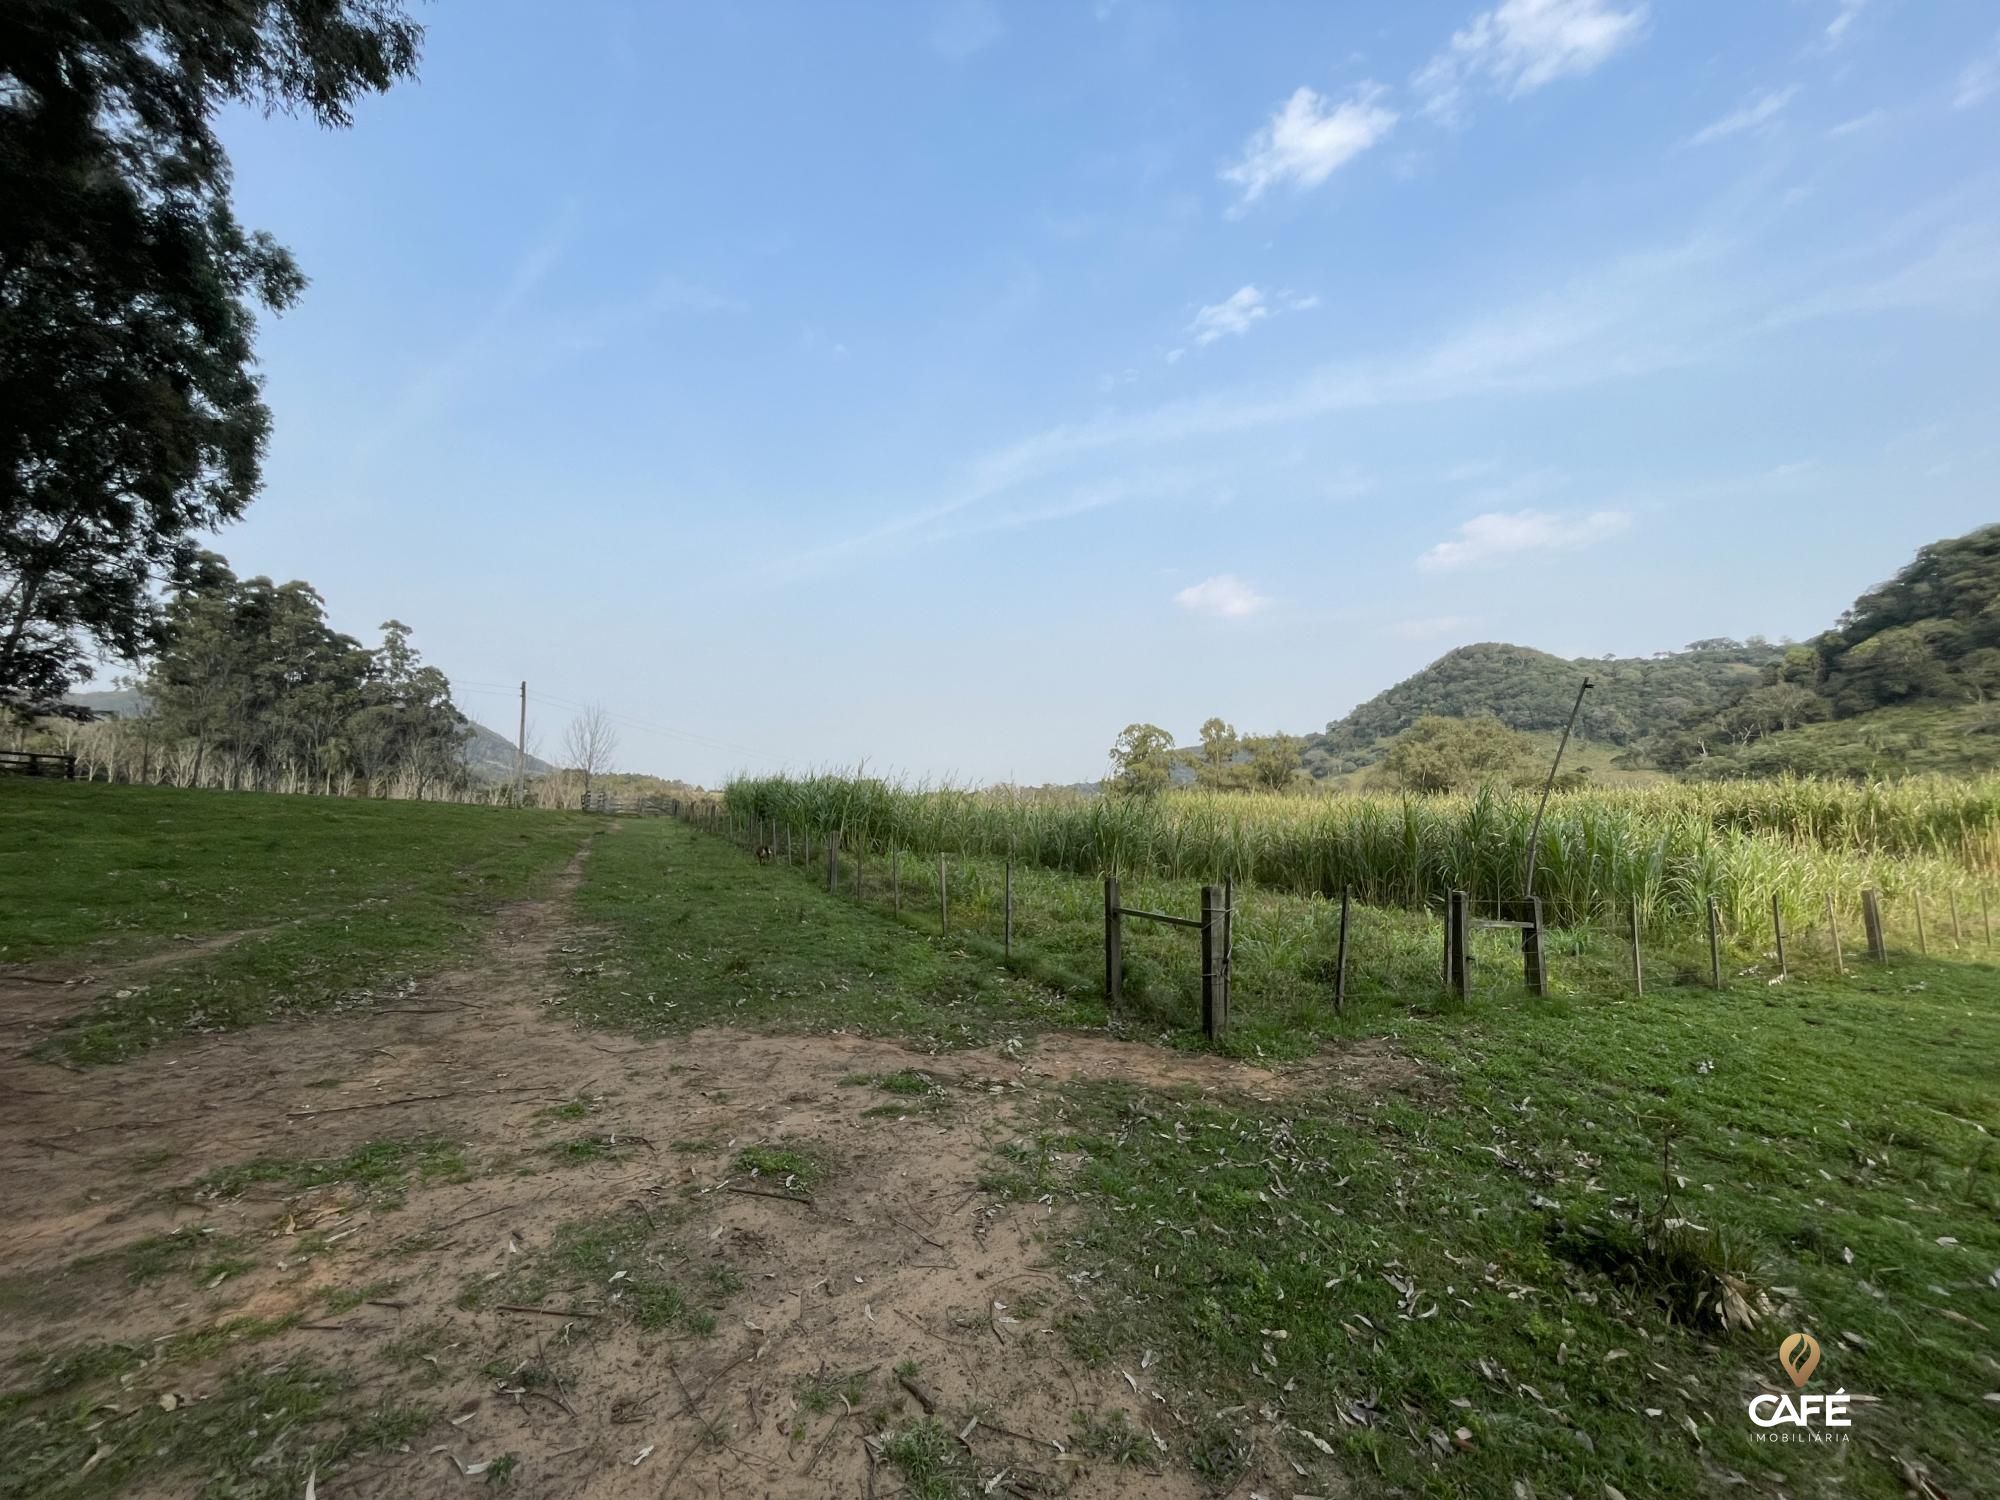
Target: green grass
[338,900]
[1286,950]
[194,1252]
[381,1168]
[695,933]
[618,1263]
[795,1171]
[1480,1254]
[257,1434]
[905,1081]
[932,1465]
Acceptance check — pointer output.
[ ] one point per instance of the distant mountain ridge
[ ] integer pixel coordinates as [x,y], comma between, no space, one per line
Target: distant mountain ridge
[1632,698]
[487,753]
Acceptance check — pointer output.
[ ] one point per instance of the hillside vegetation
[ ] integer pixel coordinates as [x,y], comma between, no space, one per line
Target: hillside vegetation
[1905,682]
[1902,684]
[1631,698]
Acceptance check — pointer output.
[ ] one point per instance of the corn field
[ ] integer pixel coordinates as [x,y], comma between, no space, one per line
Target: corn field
[1668,849]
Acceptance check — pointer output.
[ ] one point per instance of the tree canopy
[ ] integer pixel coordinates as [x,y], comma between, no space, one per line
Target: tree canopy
[130,415]
[1929,638]
[250,671]
[1631,698]
[1142,760]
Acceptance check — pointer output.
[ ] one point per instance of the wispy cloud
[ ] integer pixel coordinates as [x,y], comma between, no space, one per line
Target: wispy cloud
[1638,314]
[1859,123]
[1225,596]
[1979,80]
[1499,536]
[1307,139]
[1959,272]
[1844,16]
[1757,111]
[1520,45]
[1235,314]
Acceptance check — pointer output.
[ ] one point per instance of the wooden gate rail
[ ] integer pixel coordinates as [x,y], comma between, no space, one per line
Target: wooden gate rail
[1459,922]
[1215,924]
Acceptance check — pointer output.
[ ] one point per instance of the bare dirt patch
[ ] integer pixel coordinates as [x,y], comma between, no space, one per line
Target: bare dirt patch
[810,1322]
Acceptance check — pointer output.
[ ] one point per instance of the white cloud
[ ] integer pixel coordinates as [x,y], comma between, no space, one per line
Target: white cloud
[1224,596]
[1859,123]
[1978,82]
[1520,45]
[1761,109]
[1307,139]
[1430,627]
[1237,314]
[1234,315]
[1836,29]
[1498,535]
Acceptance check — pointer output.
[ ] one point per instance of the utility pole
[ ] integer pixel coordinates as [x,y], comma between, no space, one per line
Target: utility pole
[1535,836]
[521,746]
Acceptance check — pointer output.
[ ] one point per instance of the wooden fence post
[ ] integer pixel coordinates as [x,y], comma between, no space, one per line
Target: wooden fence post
[860,860]
[1778,934]
[1455,957]
[1714,944]
[896,877]
[1833,932]
[1957,937]
[1228,931]
[1214,994]
[1340,961]
[832,863]
[944,900]
[1923,944]
[1871,924]
[1114,945]
[1986,918]
[1534,956]
[1638,964]
[1007,932]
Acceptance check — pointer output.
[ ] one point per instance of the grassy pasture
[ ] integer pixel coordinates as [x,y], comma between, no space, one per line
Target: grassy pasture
[1445,1275]
[329,897]
[1471,1255]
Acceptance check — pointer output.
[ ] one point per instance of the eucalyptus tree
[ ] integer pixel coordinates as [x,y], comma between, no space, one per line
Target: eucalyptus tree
[131,418]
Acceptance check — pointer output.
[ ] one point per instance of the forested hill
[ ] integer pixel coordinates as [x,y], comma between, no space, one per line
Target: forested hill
[1631,698]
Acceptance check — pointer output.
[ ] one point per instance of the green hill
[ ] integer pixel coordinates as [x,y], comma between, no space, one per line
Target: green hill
[1632,699]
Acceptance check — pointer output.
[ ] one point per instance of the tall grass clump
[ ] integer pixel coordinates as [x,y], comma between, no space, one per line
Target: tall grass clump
[1670,848]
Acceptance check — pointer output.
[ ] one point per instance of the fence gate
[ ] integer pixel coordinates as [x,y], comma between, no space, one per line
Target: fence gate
[1523,916]
[1216,924]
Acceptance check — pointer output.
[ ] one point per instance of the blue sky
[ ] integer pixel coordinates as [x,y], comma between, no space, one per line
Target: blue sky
[948,385]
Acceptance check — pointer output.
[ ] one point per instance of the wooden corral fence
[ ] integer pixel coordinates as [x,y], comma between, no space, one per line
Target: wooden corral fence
[37,763]
[651,805]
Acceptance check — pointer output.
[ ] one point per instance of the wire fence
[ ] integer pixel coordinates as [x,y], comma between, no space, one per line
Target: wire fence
[1295,960]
